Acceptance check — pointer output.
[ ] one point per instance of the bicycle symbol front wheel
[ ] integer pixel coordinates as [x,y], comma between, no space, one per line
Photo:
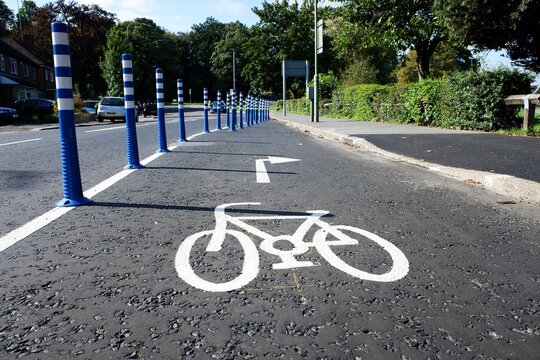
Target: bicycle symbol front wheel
[400,264]
[250,267]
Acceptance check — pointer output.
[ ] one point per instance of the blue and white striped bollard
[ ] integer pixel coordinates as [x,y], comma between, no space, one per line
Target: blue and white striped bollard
[228,106]
[246,111]
[240,110]
[129,104]
[160,103]
[205,97]
[71,173]
[233,109]
[218,115]
[181,119]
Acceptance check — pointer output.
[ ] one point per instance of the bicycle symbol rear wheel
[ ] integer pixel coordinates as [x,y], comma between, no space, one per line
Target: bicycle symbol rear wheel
[400,264]
[250,267]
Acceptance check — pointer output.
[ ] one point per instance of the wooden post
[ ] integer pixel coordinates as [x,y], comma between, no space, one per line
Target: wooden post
[528,116]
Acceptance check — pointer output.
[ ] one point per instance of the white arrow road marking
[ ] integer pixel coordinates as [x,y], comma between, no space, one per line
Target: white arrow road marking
[260,168]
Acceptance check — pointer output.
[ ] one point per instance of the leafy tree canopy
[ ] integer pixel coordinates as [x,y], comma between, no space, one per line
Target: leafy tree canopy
[496,24]
[88,28]
[26,12]
[6,19]
[151,47]
[284,32]
[403,25]
[234,39]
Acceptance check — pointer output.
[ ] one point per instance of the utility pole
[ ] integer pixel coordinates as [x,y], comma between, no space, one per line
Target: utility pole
[234,69]
[316,75]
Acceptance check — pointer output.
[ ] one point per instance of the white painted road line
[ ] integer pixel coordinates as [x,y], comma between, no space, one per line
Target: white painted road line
[116,128]
[21,142]
[260,168]
[40,222]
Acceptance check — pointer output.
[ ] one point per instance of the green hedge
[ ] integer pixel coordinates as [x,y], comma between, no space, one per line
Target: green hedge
[468,100]
[357,102]
[475,100]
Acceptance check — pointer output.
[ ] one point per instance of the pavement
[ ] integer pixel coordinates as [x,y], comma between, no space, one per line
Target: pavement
[506,165]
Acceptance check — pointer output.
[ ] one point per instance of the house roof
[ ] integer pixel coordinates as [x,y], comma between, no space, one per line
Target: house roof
[15,49]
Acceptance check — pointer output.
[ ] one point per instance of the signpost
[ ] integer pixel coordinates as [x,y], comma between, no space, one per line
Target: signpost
[293,68]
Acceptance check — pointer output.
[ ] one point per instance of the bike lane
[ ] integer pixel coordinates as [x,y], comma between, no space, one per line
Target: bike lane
[102,280]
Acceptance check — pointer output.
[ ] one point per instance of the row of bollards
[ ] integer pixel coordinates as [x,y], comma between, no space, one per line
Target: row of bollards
[253,110]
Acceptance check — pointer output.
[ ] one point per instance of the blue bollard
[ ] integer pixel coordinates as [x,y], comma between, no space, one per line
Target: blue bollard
[160,103]
[246,109]
[71,173]
[228,107]
[181,119]
[131,130]
[218,117]
[256,111]
[240,110]
[233,110]
[251,119]
[205,97]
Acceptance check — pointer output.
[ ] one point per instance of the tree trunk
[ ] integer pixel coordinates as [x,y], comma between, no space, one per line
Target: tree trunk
[423,65]
[424,52]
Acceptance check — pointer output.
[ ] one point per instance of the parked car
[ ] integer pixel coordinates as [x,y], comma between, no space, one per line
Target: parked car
[149,108]
[90,106]
[7,115]
[42,106]
[112,108]
[214,106]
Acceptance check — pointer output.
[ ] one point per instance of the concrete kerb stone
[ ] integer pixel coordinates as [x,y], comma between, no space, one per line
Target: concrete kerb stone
[506,185]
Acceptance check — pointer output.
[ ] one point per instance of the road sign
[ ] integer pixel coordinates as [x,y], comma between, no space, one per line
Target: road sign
[320,37]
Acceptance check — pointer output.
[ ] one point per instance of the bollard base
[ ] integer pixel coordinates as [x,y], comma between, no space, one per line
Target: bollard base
[133,167]
[182,140]
[163,150]
[73,202]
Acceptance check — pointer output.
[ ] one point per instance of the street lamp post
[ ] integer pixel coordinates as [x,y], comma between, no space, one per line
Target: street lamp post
[316,74]
[234,69]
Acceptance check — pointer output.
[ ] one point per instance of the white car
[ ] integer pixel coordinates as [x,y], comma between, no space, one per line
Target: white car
[112,108]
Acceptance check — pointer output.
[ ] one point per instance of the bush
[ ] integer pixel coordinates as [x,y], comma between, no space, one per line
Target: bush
[357,102]
[475,100]
[390,105]
[327,84]
[422,102]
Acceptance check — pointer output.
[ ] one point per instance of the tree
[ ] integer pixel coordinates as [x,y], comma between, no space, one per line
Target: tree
[26,13]
[404,25]
[202,41]
[445,60]
[362,63]
[6,19]
[498,24]
[235,37]
[151,47]
[284,32]
[88,27]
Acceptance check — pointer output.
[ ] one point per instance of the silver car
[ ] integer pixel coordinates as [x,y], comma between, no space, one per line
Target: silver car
[112,108]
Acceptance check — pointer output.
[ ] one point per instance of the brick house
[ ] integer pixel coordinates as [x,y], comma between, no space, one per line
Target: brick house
[23,75]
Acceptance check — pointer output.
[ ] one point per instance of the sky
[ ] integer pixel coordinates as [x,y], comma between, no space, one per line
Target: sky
[173,15]
[180,15]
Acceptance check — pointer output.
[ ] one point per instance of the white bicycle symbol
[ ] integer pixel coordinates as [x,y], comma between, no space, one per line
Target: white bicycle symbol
[250,268]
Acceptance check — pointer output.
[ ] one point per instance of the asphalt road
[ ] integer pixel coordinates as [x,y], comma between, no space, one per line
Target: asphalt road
[110,280]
